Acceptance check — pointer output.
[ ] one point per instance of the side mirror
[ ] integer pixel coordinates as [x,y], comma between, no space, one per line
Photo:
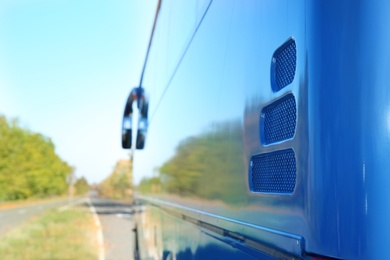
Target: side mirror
[142,126]
[126,132]
[140,140]
[138,95]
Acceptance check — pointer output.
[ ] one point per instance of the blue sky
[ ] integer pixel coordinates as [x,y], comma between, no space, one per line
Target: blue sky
[66,68]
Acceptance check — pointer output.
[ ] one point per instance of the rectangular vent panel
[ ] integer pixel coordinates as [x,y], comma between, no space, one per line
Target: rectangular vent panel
[278,120]
[273,172]
[284,63]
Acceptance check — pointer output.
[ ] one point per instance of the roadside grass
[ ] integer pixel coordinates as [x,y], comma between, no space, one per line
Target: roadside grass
[69,234]
[31,201]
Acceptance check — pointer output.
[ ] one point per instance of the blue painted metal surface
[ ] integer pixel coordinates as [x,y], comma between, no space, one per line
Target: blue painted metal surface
[205,130]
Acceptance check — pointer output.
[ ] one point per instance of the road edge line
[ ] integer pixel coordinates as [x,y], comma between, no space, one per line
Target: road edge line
[99,229]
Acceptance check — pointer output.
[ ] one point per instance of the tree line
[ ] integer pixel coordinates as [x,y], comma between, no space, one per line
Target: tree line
[118,185]
[29,166]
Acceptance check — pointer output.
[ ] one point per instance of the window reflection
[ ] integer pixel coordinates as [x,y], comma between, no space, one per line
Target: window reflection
[215,156]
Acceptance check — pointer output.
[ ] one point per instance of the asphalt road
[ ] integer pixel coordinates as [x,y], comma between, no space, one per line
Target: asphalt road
[117,222]
[13,217]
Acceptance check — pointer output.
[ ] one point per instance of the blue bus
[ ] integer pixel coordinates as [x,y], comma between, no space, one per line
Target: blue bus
[264,131]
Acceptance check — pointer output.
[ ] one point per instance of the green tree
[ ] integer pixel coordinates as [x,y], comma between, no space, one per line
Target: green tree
[118,184]
[29,166]
[82,186]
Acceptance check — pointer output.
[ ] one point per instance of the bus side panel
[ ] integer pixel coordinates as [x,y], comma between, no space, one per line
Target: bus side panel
[207,133]
[349,100]
[167,236]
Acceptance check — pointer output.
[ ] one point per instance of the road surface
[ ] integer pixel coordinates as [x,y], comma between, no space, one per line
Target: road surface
[117,222]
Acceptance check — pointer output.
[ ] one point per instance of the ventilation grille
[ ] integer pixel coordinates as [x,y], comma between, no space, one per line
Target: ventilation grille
[274,172]
[284,62]
[279,120]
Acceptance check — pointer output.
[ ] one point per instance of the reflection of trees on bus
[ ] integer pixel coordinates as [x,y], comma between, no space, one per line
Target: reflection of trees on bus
[150,185]
[215,156]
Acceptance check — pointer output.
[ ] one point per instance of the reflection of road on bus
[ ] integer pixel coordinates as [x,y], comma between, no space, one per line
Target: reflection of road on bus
[117,222]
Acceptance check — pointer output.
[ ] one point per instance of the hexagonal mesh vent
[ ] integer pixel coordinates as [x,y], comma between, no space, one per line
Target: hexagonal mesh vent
[279,120]
[273,172]
[284,62]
